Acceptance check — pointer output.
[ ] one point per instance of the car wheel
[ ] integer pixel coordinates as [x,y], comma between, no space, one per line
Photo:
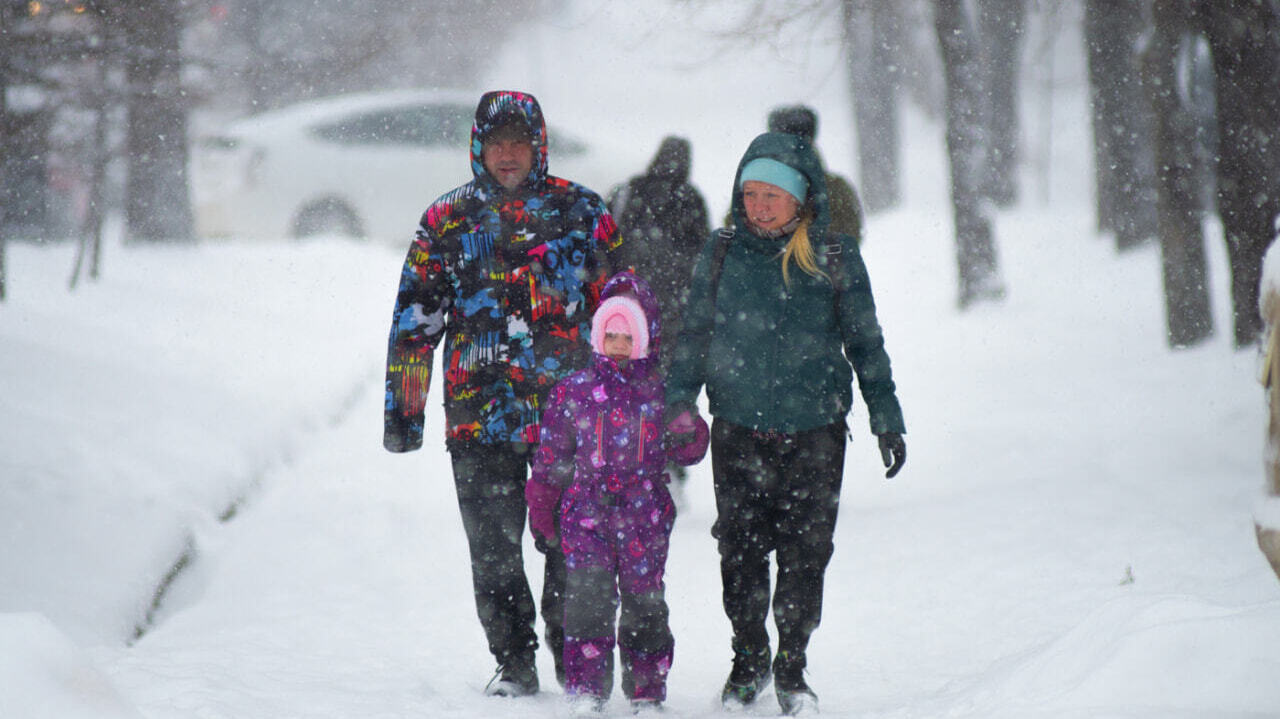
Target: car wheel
[329,216]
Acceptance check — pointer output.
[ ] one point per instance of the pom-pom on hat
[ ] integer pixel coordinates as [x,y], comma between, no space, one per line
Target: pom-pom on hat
[765,169]
[794,120]
[621,315]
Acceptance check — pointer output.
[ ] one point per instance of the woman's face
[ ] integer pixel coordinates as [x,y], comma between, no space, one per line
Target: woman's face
[769,207]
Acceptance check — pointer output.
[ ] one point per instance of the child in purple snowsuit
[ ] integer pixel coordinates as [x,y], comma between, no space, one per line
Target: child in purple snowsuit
[598,489]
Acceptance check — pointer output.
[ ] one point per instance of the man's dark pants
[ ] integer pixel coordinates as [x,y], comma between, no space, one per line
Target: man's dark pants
[490,481]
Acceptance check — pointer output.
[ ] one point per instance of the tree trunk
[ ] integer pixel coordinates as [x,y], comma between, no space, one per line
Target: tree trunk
[967,152]
[1121,124]
[1002,25]
[1269,536]
[90,233]
[5,135]
[1189,318]
[157,205]
[872,48]
[1244,39]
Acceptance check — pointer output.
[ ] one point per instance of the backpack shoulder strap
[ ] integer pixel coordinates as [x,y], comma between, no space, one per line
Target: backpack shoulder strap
[833,251]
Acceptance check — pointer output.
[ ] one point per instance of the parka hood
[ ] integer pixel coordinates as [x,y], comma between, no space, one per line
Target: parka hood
[629,283]
[797,153]
[672,160]
[501,107]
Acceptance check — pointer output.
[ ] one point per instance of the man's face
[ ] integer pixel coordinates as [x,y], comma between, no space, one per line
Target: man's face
[508,156]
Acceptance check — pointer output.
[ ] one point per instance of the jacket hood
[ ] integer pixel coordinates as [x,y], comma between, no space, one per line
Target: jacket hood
[629,283]
[672,160]
[795,152]
[501,107]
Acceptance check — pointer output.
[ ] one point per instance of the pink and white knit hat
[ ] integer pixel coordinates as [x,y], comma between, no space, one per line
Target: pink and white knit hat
[621,315]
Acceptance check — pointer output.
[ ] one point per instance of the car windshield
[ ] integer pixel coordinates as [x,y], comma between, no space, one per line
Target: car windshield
[445,125]
[218,142]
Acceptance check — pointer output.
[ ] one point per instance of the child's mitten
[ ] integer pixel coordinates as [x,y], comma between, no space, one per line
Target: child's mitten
[544,502]
[687,439]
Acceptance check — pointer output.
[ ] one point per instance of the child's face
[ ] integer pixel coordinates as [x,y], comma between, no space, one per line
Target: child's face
[617,345]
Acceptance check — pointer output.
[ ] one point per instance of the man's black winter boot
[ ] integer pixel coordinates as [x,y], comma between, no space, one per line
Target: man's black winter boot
[517,677]
[750,675]
[794,695]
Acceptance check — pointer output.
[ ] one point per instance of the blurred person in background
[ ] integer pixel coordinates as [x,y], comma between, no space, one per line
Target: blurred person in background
[665,221]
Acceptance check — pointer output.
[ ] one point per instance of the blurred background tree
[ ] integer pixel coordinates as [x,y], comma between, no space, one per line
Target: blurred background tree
[96,96]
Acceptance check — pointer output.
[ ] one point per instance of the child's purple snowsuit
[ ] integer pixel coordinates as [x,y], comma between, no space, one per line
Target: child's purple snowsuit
[600,466]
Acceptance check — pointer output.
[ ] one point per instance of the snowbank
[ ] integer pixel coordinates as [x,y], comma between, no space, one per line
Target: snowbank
[39,662]
[142,408]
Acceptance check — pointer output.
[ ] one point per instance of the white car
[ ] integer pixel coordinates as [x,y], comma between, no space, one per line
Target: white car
[363,165]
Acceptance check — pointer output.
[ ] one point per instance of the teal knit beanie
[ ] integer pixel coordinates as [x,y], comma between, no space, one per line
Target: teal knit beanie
[764,169]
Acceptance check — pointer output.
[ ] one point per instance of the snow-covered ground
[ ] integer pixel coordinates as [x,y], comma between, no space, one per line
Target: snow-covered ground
[1071,536]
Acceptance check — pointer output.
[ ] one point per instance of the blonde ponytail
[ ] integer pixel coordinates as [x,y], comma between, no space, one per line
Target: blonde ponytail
[800,249]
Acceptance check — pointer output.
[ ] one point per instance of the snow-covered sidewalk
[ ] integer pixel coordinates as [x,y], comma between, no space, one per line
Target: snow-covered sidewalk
[1071,536]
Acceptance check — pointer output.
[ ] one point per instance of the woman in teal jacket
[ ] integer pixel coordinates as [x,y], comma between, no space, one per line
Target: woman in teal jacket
[779,318]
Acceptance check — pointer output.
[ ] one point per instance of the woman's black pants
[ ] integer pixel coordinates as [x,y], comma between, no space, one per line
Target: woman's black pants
[775,493]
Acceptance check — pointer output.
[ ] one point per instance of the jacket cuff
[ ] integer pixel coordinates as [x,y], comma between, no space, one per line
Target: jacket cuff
[399,435]
[674,409]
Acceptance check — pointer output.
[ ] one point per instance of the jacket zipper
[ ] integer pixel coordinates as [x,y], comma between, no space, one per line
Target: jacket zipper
[640,454]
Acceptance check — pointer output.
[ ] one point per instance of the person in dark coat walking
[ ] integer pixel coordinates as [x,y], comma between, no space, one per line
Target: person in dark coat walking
[506,272]
[780,317]
[665,221]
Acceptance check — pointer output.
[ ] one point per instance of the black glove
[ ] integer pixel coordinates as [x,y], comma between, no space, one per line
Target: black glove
[893,450]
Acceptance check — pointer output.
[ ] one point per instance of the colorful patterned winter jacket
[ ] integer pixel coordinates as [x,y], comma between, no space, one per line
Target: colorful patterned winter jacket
[508,281]
[775,357]
[602,429]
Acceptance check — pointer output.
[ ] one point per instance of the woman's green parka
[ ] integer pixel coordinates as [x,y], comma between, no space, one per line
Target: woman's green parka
[773,357]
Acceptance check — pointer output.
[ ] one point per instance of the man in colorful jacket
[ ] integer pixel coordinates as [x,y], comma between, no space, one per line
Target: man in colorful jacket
[506,271]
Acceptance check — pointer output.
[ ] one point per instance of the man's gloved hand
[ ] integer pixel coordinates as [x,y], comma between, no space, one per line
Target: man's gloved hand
[893,450]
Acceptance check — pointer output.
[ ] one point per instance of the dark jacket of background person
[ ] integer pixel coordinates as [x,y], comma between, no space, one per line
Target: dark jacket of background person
[773,357]
[508,282]
[665,221]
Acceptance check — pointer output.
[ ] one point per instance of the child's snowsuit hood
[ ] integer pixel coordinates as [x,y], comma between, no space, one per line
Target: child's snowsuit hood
[629,284]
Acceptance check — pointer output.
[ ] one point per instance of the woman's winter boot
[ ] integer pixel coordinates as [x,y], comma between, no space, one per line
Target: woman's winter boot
[750,676]
[794,695]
